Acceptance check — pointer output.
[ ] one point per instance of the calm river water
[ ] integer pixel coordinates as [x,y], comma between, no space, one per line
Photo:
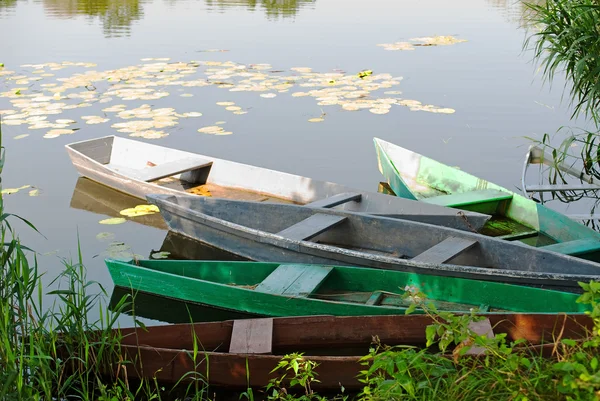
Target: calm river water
[488,80]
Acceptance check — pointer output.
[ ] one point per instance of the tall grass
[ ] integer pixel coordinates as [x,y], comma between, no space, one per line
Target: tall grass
[566,41]
[59,351]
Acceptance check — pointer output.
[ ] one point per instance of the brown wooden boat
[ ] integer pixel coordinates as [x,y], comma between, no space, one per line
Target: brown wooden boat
[226,349]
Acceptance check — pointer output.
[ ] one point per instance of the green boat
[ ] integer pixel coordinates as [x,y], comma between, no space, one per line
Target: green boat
[275,290]
[515,218]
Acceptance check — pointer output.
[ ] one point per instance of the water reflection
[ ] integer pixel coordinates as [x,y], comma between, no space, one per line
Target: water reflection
[514,11]
[7,4]
[96,198]
[116,16]
[274,9]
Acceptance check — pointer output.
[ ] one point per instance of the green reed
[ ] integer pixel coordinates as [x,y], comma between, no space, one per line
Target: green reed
[566,40]
[59,351]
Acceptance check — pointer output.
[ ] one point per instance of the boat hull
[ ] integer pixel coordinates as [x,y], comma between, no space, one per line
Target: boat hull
[413,176]
[520,264]
[335,343]
[263,289]
[112,161]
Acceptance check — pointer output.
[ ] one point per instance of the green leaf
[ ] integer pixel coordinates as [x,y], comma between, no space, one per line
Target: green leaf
[430,332]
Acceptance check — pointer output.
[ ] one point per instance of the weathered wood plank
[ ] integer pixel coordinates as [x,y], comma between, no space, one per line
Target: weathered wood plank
[308,281]
[311,226]
[445,250]
[170,169]
[336,200]
[519,235]
[252,336]
[469,198]
[576,247]
[294,280]
[562,187]
[375,298]
[384,188]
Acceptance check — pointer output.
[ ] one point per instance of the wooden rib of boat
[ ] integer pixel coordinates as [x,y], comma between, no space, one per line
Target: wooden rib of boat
[270,232]
[139,168]
[274,290]
[227,349]
[515,217]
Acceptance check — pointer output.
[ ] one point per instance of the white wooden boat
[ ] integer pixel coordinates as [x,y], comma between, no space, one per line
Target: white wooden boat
[284,233]
[138,168]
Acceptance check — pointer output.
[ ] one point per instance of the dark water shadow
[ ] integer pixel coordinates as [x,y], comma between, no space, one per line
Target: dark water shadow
[169,310]
[181,247]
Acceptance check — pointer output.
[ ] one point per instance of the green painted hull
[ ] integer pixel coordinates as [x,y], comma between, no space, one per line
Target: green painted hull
[413,176]
[344,292]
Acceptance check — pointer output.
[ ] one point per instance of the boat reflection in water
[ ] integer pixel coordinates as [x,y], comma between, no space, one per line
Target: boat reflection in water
[97,198]
[169,310]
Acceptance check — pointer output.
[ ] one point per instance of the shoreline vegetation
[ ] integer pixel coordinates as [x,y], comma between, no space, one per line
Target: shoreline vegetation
[58,352]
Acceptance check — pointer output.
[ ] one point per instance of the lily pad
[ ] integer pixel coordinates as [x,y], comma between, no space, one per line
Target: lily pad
[139,210]
[10,191]
[105,236]
[113,221]
[160,255]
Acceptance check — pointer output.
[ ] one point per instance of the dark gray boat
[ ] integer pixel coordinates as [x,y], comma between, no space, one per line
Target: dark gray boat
[290,233]
[138,168]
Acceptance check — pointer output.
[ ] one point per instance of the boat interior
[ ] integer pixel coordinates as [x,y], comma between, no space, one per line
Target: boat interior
[492,202]
[333,284]
[169,168]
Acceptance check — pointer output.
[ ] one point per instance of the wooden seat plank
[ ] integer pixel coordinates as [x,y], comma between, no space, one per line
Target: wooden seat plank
[469,198]
[294,280]
[252,336]
[375,298]
[445,250]
[519,235]
[575,247]
[308,281]
[311,226]
[336,200]
[167,169]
